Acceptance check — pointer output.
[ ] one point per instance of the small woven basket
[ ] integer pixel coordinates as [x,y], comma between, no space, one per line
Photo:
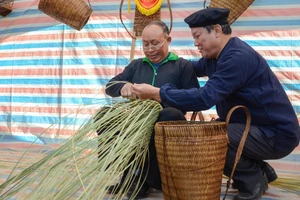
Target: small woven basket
[74,13]
[236,7]
[191,157]
[6,7]
[141,20]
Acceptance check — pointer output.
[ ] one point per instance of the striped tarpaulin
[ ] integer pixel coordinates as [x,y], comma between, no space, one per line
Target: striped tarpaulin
[52,77]
[50,73]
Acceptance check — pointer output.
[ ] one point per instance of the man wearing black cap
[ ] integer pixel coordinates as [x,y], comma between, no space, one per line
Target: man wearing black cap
[238,75]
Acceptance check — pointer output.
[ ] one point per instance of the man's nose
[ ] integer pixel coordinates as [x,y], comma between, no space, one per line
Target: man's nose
[195,43]
[151,48]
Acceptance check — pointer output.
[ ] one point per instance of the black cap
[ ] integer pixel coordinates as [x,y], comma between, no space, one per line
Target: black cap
[208,16]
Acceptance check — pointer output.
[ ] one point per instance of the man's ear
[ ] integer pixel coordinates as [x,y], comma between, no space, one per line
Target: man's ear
[218,30]
[169,39]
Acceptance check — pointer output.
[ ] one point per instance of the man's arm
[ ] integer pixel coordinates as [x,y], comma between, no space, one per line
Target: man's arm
[113,89]
[188,76]
[199,67]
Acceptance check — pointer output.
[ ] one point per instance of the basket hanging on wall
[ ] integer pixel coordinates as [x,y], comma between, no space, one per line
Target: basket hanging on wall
[74,13]
[191,157]
[6,7]
[141,20]
[236,7]
[145,12]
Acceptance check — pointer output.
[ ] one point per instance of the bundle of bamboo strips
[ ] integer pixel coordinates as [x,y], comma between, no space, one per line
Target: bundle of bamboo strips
[87,163]
[291,184]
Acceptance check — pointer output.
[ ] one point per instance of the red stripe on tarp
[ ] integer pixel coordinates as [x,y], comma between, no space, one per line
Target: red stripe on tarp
[48,109]
[109,52]
[61,72]
[39,130]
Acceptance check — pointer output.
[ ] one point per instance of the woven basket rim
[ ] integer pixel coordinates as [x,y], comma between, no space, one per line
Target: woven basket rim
[189,123]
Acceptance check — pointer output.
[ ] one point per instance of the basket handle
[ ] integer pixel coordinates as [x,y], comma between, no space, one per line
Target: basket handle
[242,142]
[133,37]
[195,114]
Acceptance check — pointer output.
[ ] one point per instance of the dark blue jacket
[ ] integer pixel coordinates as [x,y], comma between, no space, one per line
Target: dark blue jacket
[241,76]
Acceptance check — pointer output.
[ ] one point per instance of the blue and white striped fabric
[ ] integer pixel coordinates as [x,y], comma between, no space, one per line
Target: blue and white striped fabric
[52,77]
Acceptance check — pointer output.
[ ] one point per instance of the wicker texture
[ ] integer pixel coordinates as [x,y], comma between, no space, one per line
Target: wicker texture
[74,13]
[191,157]
[6,7]
[236,7]
[141,20]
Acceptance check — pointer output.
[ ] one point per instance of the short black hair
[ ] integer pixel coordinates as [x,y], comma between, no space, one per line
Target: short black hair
[161,24]
[226,28]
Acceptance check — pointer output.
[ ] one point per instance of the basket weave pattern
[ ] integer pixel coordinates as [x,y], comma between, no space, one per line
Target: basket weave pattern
[141,20]
[236,7]
[74,13]
[191,157]
[6,7]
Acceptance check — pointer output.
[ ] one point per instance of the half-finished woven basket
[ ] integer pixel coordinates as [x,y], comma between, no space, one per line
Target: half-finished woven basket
[74,13]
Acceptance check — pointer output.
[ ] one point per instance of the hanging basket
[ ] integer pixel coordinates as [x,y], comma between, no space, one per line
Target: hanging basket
[74,13]
[6,7]
[236,7]
[191,157]
[140,20]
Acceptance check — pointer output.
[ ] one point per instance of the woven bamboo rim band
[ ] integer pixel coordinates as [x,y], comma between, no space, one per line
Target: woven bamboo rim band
[4,2]
[132,36]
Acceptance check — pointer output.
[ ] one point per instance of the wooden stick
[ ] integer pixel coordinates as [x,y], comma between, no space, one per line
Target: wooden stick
[132,51]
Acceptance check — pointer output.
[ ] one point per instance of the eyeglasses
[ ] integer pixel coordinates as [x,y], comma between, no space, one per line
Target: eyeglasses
[153,47]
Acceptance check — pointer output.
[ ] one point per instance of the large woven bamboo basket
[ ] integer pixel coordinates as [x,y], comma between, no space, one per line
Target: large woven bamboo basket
[6,7]
[236,7]
[74,13]
[191,157]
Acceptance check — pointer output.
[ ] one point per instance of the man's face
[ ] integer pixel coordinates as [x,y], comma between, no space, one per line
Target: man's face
[155,43]
[206,42]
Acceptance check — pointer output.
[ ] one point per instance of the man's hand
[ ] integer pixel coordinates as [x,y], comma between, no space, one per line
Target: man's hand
[126,91]
[146,91]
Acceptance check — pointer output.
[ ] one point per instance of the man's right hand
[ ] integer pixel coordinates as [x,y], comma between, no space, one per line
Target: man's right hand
[146,91]
[126,91]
